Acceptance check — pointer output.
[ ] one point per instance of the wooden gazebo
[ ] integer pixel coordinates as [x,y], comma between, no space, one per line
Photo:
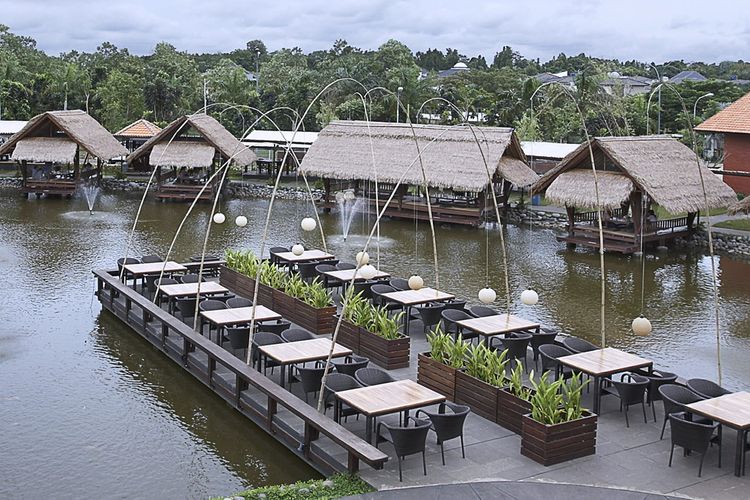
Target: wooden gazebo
[351,155]
[635,174]
[57,150]
[191,148]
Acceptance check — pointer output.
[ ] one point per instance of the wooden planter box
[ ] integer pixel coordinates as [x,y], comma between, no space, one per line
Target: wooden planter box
[510,410]
[389,354]
[479,395]
[348,336]
[437,376]
[552,444]
[316,320]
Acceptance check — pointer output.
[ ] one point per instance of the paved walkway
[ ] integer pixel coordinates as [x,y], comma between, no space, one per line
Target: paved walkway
[510,490]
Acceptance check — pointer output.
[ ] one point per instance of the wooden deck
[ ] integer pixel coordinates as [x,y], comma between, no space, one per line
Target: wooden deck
[54,187]
[442,213]
[315,438]
[624,240]
[183,192]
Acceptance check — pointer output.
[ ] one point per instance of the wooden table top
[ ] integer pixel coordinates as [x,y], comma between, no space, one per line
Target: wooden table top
[239,315]
[154,268]
[497,324]
[187,289]
[391,397]
[348,274]
[421,296]
[303,351]
[730,409]
[306,256]
[604,361]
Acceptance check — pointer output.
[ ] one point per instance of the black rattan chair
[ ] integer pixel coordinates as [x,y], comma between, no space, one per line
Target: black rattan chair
[448,425]
[363,287]
[190,278]
[296,334]
[152,286]
[399,283]
[675,398]
[239,337]
[210,305]
[186,306]
[343,266]
[459,304]
[430,314]
[337,382]
[377,292]
[264,338]
[706,388]
[656,379]
[239,302]
[311,377]
[406,440]
[275,250]
[122,261]
[549,354]
[147,259]
[450,325]
[539,339]
[631,389]
[517,345]
[349,365]
[306,270]
[276,326]
[693,436]
[372,376]
[578,345]
[482,311]
[328,282]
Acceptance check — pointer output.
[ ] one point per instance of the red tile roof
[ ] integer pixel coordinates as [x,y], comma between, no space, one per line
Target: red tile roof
[734,119]
[139,128]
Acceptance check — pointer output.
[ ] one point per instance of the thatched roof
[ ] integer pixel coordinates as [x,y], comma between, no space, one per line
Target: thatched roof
[577,188]
[450,155]
[139,129]
[45,149]
[741,207]
[74,125]
[182,154]
[660,166]
[210,132]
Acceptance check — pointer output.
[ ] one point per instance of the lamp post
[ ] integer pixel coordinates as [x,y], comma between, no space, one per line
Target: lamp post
[257,69]
[398,102]
[205,95]
[695,106]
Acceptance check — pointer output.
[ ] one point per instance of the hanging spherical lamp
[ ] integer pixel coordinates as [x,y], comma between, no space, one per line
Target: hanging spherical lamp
[339,197]
[529,297]
[363,258]
[219,218]
[641,326]
[487,295]
[368,272]
[308,224]
[298,249]
[241,221]
[416,282]
[349,195]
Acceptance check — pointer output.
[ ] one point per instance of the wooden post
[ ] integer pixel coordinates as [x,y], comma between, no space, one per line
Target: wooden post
[271,411]
[691,220]
[77,166]
[506,195]
[98,171]
[25,175]
[571,211]
[636,199]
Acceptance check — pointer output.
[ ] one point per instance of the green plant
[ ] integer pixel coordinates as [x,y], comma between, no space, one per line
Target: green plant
[317,296]
[516,386]
[476,361]
[572,394]
[272,275]
[295,287]
[337,486]
[556,402]
[439,344]
[456,355]
[385,326]
[496,363]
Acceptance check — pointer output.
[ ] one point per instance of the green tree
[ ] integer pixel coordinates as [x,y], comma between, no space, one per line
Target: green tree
[172,84]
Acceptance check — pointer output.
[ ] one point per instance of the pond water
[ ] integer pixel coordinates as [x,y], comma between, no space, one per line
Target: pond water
[88,408]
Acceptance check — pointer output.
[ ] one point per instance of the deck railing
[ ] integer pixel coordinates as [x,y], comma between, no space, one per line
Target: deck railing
[592,216]
[251,393]
[669,224]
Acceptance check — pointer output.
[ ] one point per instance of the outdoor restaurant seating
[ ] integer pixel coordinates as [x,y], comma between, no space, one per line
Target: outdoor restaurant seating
[450,325]
[399,283]
[363,287]
[657,378]
[631,389]
[693,436]
[406,440]
[447,425]
[190,278]
[539,339]
[343,266]
[296,334]
[517,345]
[310,378]
[577,345]
[239,337]
[372,376]
[275,250]
[186,306]
[151,258]
[482,311]
[275,327]
[349,365]
[307,271]
[239,302]
[122,261]
[209,305]
[459,304]
[223,297]
[328,282]
[337,382]
[264,338]
[378,300]
[549,354]
[706,388]
[429,313]
[675,397]
[152,286]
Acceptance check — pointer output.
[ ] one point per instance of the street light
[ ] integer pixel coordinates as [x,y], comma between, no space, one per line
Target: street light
[695,106]
[656,90]
[398,102]
[257,68]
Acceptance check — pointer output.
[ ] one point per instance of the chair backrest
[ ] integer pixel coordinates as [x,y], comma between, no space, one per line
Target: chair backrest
[151,258]
[690,435]
[377,291]
[450,316]
[205,258]
[399,283]
[364,287]
[166,281]
[275,327]
[239,302]
[550,353]
[324,268]
[372,376]
[307,269]
[706,388]
[516,344]
[239,337]
[409,440]
[186,306]
[430,313]
[296,334]
[266,338]
[482,311]
[211,305]
[122,261]
[342,266]
[275,250]
[190,278]
[448,424]
[542,338]
[578,345]
[350,364]
[459,304]
[675,397]
[311,377]
[631,387]
[336,382]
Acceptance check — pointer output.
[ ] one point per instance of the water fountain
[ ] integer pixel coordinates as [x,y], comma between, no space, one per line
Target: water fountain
[349,205]
[90,192]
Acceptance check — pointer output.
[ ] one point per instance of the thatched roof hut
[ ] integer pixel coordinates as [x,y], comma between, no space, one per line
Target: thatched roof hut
[192,136]
[56,136]
[659,166]
[743,207]
[451,157]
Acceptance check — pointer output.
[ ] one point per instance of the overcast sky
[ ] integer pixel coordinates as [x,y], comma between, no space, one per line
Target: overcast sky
[648,30]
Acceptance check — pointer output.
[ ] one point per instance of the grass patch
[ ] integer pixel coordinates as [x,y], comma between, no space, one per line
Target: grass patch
[337,486]
[738,224]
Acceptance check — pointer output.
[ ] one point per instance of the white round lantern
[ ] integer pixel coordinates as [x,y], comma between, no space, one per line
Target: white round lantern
[363,258]
[487,295]
[308,224]
[529,297]
[339,197]
[368,272]
[349,195]
[298,249]
[416,282]
[219,218]
[641,326]
[241,221]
